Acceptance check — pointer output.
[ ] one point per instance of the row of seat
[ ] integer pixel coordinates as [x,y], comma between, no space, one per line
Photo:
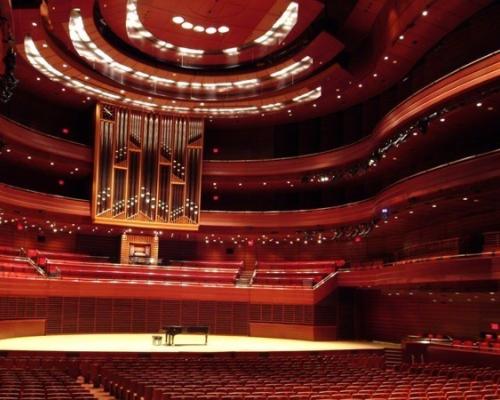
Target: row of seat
[40,384]
[14,266]
[332,376]
[293,273]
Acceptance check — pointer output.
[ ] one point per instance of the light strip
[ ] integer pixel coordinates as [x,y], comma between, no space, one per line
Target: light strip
[87,49]
[43,66]
[281,27]
[36,59]
[293,69]
[278,31]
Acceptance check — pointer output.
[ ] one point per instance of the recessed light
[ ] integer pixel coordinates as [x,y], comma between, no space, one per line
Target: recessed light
[394,61]
[34,24]
[442,119]
[240,184]
[315,105]
[210,30]
[63,89]
[187,25]
[401,37]
[52,163]
[434,205]
[8,150]
[479,104]
[386,58]
[264,183]
[198,28]
[360,85]
[339,96]
[425,13]
[375,75]
[465,198]
[28,157]
[38,78]
[177,20]
[223,29]
[411,212]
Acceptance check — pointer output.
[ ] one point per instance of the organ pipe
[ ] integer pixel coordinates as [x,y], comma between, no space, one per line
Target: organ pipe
[148,169]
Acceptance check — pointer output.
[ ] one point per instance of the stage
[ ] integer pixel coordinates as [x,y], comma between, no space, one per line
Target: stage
[142,342]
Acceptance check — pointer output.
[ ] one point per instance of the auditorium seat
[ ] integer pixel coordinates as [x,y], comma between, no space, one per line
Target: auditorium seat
[334,375]
[15,266]
[86,270]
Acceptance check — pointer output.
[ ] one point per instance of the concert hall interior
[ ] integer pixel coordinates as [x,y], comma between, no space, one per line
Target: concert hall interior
[249,199]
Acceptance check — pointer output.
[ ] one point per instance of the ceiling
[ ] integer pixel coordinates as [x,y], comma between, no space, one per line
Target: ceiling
[274,62]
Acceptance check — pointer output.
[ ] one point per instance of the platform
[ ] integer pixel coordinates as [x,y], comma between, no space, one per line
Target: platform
[142,342]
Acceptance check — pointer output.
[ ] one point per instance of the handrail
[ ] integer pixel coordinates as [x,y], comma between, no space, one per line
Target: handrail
[327,278]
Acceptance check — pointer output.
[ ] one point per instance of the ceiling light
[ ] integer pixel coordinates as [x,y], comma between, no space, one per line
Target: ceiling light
[401,37]
[386,58]
[210,30]
[187,25]
[465,198]
[34,24]
[479,104]
[425,13]
[223,29]
[434,205]
[442,119]
[178,20]
[375,75]
[29,157]
[198,28]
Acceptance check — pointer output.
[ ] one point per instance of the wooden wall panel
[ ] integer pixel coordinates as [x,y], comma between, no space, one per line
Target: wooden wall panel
[103,315]
[27,239]
[391,318]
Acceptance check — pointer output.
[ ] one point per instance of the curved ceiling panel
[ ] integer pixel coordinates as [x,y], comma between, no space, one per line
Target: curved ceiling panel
[209,33]
[89,45]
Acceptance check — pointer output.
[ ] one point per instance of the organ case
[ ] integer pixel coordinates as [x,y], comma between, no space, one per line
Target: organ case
[147,169]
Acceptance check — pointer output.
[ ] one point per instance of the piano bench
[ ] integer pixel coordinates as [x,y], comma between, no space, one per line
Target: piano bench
[157,340]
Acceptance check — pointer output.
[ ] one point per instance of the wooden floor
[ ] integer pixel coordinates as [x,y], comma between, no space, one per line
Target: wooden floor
[142,342]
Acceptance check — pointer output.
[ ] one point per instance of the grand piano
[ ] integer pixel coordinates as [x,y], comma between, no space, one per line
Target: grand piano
[172,330]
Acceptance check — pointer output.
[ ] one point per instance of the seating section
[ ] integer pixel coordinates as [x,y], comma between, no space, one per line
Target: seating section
[276,376]
[207,264]
[295,377]
[124,272]
[40,384]
[41,257]
[293,274]
[13,265]
[10,251]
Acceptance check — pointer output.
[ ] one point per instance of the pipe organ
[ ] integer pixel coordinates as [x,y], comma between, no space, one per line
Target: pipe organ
[147,169]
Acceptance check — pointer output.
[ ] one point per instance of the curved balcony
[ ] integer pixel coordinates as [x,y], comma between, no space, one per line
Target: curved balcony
[425,185]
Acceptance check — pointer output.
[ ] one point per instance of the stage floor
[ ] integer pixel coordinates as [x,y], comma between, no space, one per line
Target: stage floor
[142,342]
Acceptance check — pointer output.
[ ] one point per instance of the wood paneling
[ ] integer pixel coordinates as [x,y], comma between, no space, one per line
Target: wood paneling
[293,331]
[391,318]
[22,327]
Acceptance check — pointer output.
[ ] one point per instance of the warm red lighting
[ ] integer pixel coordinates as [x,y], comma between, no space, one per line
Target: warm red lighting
[494,326]
[250,242]
[357,239]
[60,182]
[65,131]
[215,150]
[20,226]
[215,197]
